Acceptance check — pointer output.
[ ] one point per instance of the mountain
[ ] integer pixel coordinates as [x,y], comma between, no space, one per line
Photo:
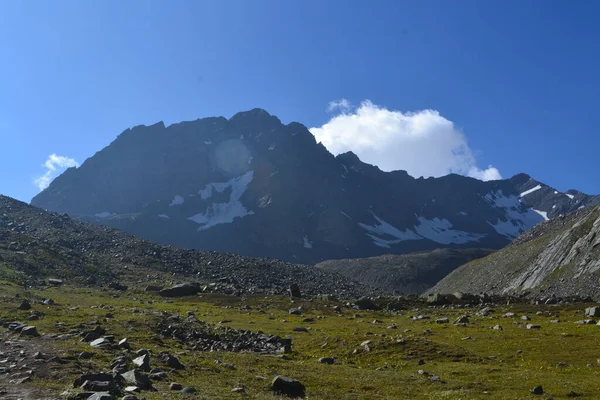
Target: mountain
[36,245]
[560,257]
[404,273]
[254,186]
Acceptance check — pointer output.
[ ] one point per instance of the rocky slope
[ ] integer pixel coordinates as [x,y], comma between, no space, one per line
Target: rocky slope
[36,245]
[254,186]
[560,257]
[404,273]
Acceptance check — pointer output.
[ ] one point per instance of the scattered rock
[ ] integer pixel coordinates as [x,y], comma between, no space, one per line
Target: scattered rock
[175,386]
[142,362]
[327,360]
[118,286]
[136,378]
[295,291]
[295,311]
[442,320]
[537,390]
[533,326]
[29,331]
[288,386]
[55,282]
[188,390]
[181,290]
[592,312]
[25,305]
[462,320]
[365,303]
[171,361]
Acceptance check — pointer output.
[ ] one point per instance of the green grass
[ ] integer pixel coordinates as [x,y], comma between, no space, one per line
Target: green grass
[486,366]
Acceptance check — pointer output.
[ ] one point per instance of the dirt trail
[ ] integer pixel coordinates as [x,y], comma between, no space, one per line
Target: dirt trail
[20,367]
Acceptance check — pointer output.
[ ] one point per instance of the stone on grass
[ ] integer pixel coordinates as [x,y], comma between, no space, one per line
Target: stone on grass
[142,362]
[288,386]
[326,360]
[175,386]
[537,390]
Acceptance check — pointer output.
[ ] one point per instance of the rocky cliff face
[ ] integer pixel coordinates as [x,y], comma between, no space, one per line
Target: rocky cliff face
[560,257]
[254,186]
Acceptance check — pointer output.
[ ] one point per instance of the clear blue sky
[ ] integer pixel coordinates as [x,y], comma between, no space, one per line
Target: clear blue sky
[520,78]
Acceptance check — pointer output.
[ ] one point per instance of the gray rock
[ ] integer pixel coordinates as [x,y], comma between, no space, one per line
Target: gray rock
[124,344]
[129,397]
[171,361]
[102,396]
[295,311]
[533,326]
[101,342]
[300,329]
[592,312]
[295,290]
[55,282]
[153,288]
[188,390]
[497,328]
[526,318]
[175,386]
[136,378]
[365,303]
[442,320]
[537,390]
[25,305]
[462,320]
[181,290]
[142,362]
[288,386]
[327,360]
[29,331]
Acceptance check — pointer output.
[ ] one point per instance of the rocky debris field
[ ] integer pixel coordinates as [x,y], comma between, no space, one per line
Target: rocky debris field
[37,245]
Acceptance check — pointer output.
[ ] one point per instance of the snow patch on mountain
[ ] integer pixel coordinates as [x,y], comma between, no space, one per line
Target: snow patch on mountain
[440,231]
[177,201]
[307,243]
[382,229]
[516,218]
[544,214]
[224,213]
[165,216]
[104,214]
[525,193]
[569,196]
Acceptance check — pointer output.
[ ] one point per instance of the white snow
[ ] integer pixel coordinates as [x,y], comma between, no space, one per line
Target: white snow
[104,214]
[544,214]
[581,207]
[307,243]
[516,218]
[555,192]
[525,193]
[554,206]
[165,216]
[250,160]
[208,141]
[345,215]
[224,213]
[177,201]
[569,196]
[463,213]
[272,147]
[440,231]
[382,229]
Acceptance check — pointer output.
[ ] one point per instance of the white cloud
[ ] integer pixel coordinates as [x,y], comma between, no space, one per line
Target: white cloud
[423,143]
[54,166]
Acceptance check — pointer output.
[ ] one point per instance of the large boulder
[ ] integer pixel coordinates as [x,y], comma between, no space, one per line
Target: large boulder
[366,303]
[439,299]
[295,290]
[138,379]
[592,312]
[181,290]
[283,385]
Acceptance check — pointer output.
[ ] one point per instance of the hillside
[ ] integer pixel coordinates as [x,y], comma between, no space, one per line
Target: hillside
[36,245]
[407,273]
[254,186]
[559,257]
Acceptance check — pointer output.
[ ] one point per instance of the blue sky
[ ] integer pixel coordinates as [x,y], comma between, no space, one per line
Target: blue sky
[517,79]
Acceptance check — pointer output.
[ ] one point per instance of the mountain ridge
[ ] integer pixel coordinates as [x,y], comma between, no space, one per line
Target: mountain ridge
[254,186]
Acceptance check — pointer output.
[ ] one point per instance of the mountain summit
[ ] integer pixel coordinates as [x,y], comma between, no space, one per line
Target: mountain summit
[254,186]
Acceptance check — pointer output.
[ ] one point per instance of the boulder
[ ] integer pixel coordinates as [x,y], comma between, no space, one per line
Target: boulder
[118,286]
[142,362]
[181,290]
[29,331]
[153,288]
[439,299]
[171,361]
[295,290]
[55,282]
[175,386]
[101,396]
[25,305]
[287,386]
[592,312]
[366,303]
[138,379]
[327,360]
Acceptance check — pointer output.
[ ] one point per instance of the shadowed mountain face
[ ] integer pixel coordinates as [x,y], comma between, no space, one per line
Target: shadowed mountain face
[560,257]
[254,186]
